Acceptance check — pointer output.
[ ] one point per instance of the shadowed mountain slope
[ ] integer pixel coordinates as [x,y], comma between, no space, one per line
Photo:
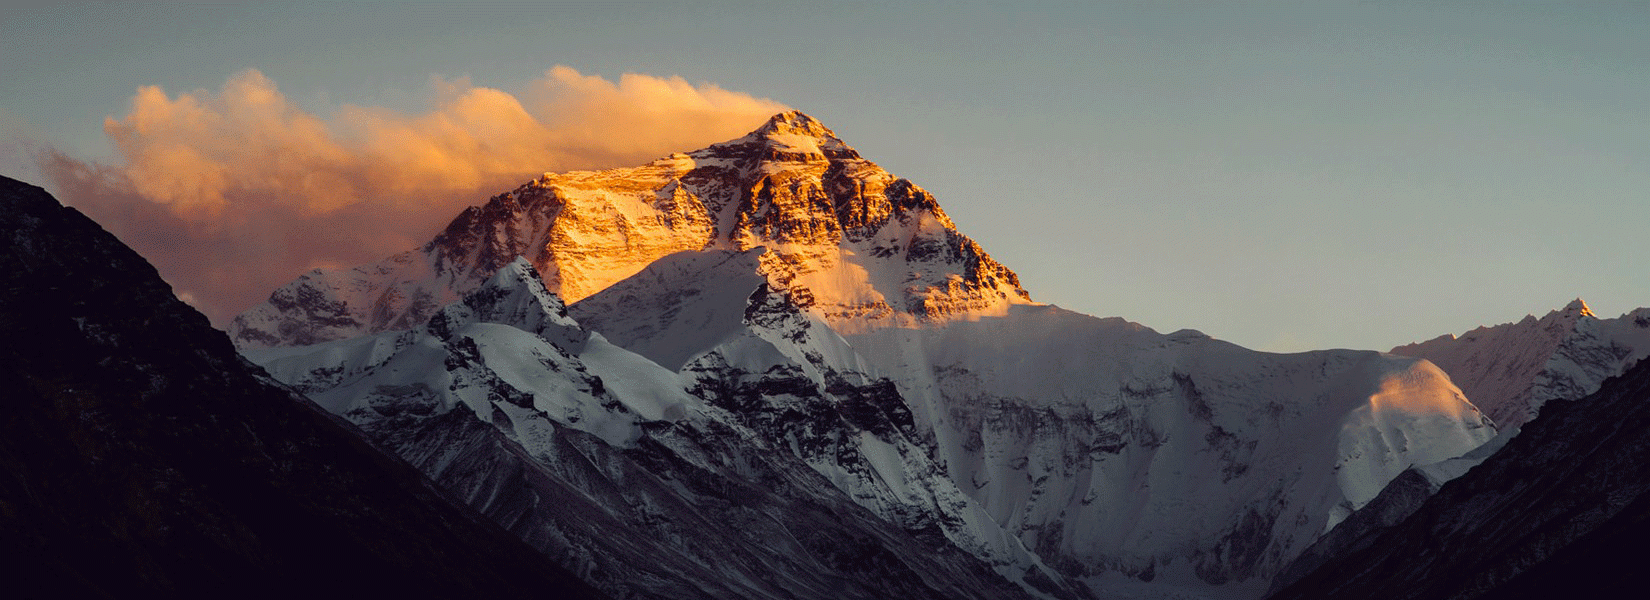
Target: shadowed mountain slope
[140,454]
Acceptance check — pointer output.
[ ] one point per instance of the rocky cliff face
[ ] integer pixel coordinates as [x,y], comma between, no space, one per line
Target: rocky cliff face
[863,246]
[143,457]
[1560,511]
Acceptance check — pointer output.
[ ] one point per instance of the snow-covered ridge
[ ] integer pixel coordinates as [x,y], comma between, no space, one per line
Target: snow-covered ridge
[1117,452]
[525,358]
[1511,370]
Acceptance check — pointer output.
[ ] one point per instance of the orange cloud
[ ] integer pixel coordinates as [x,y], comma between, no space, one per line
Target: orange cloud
[235,192]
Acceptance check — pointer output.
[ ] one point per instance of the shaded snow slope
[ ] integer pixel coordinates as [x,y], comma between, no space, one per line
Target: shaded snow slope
[1109,450]
[1511,371]
[681,306]
[1173,458]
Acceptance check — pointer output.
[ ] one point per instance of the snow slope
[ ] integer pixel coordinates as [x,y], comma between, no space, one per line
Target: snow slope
[1511,371]
[790,378]
[600,457]
[1106,448]
[1560,512]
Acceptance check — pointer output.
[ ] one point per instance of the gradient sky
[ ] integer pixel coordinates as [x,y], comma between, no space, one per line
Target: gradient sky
[1284,175]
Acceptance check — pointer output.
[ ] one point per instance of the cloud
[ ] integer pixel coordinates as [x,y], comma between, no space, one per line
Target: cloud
[235,192]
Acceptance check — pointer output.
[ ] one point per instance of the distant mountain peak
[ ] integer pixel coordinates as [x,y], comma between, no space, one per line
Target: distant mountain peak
[1579,308]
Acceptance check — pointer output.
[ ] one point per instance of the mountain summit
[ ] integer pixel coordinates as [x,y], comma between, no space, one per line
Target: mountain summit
[866,248]
[789,135]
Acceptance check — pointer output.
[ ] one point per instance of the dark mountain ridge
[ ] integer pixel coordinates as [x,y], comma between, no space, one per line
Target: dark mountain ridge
[1562,510]
[141,454]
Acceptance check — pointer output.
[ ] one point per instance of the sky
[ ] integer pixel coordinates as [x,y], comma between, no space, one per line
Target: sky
[1284,175]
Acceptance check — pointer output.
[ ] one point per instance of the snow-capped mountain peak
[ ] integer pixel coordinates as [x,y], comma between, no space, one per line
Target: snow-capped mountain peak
[787,136]
[865,248]
[793,122]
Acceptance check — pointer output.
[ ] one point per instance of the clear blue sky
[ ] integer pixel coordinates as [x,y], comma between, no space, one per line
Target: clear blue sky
[1284,175]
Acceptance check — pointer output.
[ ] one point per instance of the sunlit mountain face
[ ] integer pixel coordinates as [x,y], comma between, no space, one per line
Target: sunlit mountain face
[870,249]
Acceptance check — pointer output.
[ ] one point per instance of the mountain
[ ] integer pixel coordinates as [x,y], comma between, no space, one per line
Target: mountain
[871,248]
[1511,370]
[142,455]
[782,287]
[1562,510]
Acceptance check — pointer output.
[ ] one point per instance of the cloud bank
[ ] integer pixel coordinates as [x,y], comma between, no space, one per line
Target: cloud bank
[235,192]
